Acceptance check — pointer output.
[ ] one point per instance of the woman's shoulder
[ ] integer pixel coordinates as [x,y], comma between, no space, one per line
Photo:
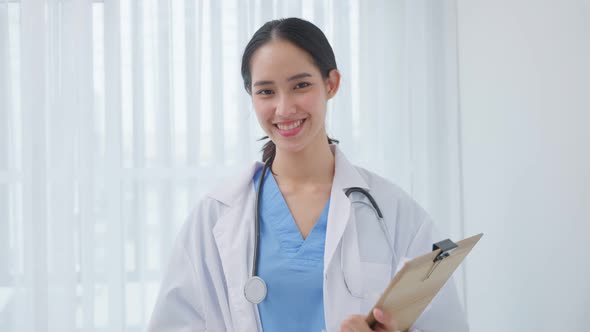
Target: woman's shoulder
[403,214]
[394,199]
[219,199]
[383,185]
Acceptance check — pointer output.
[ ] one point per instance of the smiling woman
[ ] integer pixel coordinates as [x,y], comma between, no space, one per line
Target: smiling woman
[301,209]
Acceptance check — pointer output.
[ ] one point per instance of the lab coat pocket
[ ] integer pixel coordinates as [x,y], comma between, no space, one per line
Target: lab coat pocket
[376,277]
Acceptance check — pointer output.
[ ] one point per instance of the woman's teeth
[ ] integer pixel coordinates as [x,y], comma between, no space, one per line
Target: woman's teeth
[290,126]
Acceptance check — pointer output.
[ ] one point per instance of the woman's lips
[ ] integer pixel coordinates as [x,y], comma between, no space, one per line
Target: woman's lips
[291,128]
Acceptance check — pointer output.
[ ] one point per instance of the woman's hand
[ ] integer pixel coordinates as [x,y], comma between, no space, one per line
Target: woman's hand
[357,323]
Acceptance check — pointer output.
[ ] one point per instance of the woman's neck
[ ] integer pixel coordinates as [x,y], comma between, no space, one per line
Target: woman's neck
[313,165]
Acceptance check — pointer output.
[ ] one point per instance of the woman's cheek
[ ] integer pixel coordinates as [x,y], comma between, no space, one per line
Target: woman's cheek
[262,109]
[264,113]
[310,101]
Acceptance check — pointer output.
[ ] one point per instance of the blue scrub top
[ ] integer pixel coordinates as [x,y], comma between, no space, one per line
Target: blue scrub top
[291,266]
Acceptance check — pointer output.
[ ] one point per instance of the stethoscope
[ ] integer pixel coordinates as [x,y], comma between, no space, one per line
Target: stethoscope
[255,289]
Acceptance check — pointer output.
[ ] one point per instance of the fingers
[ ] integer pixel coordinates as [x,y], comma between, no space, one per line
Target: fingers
[357,323]
[386,323]
[354,323]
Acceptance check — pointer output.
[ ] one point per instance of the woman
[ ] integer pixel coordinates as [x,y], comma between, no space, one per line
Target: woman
[319,262]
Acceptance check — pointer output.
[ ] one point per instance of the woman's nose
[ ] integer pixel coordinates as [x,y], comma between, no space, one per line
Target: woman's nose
[285,106]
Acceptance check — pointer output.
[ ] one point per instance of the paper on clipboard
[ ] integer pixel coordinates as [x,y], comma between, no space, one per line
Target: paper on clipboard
[417,281]
[401,264]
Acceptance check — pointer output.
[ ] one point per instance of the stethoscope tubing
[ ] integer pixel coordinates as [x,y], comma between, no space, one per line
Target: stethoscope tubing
[257,220]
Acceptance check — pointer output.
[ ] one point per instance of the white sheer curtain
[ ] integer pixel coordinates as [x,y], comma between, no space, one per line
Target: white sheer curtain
[116,116]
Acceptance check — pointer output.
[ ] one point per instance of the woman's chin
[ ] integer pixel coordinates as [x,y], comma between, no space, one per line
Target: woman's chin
[297,144]
[290,147]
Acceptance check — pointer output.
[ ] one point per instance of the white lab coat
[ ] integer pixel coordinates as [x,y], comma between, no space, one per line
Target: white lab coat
[203,286]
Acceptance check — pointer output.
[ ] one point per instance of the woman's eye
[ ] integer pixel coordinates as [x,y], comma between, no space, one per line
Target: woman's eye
[264,92]
[302,85]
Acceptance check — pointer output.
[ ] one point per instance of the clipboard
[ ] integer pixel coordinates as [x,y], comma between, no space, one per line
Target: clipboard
[415,285]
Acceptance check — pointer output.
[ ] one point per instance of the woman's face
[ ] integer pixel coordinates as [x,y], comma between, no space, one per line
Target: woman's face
[290,95]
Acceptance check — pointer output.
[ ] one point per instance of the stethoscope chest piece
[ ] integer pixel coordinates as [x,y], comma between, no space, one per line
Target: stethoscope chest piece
[255,290]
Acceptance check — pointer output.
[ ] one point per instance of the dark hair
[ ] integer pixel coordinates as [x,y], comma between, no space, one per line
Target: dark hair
[302,34]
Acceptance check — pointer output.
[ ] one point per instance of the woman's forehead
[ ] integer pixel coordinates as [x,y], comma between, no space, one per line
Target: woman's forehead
[281,59]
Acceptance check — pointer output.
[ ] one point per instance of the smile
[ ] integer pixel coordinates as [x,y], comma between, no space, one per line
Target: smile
[289,126]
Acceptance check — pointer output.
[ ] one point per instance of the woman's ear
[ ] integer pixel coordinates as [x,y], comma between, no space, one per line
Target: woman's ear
[332,83]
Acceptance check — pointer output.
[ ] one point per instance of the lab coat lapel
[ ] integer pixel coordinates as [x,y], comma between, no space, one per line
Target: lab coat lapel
[345,176]
[234,236]
[340,302]
[344,281]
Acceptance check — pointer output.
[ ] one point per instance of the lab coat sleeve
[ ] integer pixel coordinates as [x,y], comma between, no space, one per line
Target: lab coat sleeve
[179,307]
[445,313]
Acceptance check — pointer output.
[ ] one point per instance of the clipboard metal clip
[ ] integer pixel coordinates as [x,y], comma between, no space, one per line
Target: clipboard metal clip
[446,247]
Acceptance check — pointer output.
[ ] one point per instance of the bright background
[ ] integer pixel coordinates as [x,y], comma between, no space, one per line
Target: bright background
[116,116]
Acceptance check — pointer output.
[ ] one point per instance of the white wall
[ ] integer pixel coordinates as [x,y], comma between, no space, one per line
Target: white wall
[525,111]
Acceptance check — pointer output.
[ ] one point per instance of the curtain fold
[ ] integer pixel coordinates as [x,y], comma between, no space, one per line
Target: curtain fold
[116,116]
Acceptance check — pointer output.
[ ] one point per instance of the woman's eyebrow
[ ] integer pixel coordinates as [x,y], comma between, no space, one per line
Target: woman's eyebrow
[294,77]
[262,83]
[298,76]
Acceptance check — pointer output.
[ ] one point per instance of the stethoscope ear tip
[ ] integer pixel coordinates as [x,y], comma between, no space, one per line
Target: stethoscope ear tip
[255,290]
